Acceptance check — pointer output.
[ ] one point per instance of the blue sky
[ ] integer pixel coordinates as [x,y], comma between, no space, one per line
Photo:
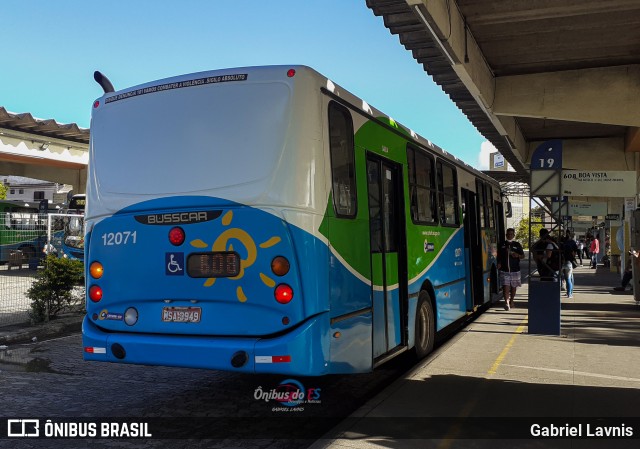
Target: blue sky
[56,46]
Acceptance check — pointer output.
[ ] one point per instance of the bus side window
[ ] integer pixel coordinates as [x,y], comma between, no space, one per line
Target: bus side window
[342,161]
[448,194]
[421,187]
[481,202]
[490,210]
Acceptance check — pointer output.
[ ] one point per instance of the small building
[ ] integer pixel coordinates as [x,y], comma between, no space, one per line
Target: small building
[28,189]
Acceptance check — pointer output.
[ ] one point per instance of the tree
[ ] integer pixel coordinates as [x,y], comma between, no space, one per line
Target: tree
[3,191]
[522,232]
[53,289]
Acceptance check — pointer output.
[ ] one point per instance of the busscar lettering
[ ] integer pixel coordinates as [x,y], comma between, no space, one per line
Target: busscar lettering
[185,217]
[178,217]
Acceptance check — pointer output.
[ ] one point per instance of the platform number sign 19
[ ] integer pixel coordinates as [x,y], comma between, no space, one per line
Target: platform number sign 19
[547,156]
[547,163]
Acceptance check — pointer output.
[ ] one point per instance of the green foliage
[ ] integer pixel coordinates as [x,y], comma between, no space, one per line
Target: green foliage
[522,232]
[3,191]
[53,289]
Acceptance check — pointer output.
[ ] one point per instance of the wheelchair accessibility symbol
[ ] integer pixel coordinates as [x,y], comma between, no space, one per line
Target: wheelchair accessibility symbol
[174,264]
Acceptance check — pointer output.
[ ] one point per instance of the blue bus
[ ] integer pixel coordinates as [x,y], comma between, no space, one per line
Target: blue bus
[266,220]
[72,246]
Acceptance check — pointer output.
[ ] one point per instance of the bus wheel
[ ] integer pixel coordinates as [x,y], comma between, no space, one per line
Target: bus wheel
[425,326]
[28,253]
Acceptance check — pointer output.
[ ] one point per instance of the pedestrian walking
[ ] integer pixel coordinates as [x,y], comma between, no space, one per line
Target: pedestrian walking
[580,250]
[594,249]
[569,250]
[510,252]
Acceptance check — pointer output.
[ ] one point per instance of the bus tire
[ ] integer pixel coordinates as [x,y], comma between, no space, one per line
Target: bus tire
[425,326]
[28,253]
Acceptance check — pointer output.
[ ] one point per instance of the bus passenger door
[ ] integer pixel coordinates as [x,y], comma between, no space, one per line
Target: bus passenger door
[472,249]
[388,256]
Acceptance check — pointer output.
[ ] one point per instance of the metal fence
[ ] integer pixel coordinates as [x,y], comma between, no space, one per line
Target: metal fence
[24,241]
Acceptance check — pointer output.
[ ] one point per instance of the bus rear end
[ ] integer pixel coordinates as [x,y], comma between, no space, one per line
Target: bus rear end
[191,258]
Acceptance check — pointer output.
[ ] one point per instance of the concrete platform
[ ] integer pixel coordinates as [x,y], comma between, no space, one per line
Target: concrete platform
[491,384]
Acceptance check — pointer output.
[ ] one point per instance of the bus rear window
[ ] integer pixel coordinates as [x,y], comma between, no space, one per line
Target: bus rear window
[190,140]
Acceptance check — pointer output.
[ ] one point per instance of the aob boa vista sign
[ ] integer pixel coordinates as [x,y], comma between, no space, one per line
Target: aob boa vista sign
[598,183]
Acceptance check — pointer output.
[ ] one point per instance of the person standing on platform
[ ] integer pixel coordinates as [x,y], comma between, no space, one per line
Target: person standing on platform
[546,255]
[580,250]
[510,253]
[569,250]
[595,249]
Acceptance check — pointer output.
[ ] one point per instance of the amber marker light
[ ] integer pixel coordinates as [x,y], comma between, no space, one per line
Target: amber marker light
[96,270]
[280,266]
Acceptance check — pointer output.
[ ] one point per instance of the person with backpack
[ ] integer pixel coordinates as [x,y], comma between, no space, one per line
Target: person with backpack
[546,255]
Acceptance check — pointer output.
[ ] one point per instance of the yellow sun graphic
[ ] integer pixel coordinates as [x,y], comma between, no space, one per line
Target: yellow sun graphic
[222,244]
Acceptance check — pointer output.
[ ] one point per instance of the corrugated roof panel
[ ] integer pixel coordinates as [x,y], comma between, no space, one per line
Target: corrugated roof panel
[25,122]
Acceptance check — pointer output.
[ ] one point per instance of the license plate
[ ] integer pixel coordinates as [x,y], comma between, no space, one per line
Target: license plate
[181,314]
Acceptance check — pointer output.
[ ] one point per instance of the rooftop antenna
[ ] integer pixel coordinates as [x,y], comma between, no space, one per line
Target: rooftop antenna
[104,82]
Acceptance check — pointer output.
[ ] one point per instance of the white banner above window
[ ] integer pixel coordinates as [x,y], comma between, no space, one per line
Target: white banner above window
[598,183]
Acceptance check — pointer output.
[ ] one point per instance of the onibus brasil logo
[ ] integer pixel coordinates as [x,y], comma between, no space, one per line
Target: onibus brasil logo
[291,394]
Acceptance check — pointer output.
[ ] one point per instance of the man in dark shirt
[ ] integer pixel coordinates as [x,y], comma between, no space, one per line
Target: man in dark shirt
[546,255]
[509,254]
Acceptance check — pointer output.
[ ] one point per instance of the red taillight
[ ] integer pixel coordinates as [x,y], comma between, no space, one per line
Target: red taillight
[96,104]
[95,293]
[283,293]
[291,73]
[176,236]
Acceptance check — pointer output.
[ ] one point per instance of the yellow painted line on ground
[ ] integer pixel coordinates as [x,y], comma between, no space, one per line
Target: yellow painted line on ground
[503,354]
[455,430]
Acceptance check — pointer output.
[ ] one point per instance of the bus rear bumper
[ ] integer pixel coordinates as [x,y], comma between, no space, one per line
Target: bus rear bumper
[303,351]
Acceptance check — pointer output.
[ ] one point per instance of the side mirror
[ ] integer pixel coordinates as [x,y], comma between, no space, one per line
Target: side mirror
[508,211]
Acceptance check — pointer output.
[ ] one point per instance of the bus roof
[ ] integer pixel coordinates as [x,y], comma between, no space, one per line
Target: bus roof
[275,73]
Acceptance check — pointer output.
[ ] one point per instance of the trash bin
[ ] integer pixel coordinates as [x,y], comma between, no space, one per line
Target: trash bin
[544,305]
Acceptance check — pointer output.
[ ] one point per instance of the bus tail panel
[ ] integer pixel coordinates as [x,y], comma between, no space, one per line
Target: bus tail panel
[302,351]
[218,278]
